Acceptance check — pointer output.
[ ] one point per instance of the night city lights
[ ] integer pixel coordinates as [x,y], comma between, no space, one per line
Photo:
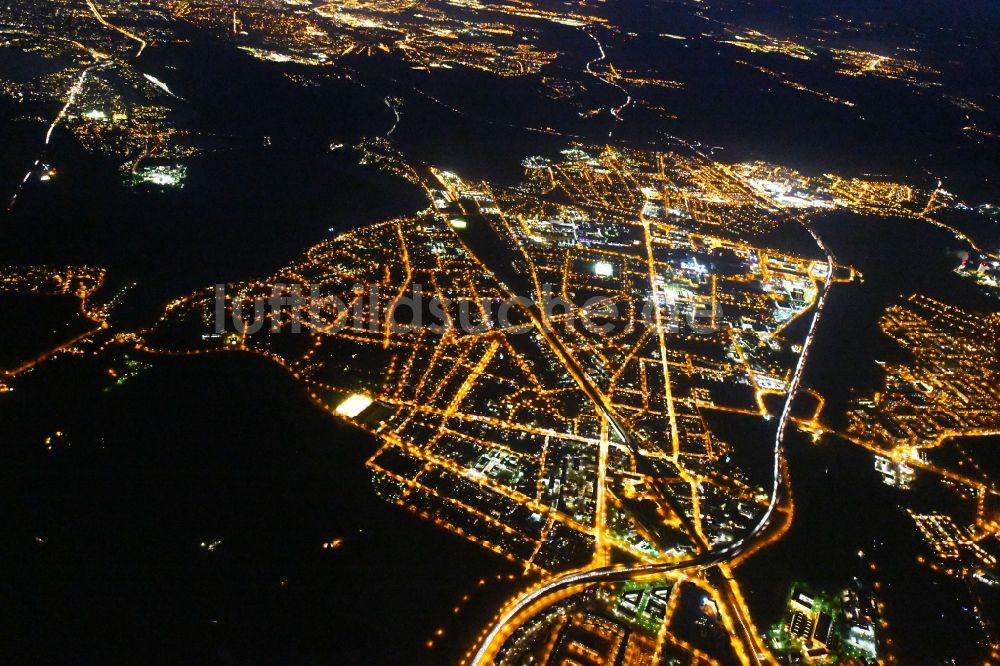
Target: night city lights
[631,332]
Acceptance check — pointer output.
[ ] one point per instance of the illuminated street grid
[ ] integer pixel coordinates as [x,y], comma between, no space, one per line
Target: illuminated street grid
[557,447]
[515,439]
[554,446]
[946,393]
[952,544]
[648,622]
[489,432]
[949,389]
[561,447]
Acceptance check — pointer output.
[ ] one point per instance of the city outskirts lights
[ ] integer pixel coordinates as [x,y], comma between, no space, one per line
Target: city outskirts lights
[353,405]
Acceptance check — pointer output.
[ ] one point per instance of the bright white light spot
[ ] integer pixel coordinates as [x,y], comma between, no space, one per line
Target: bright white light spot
[164,176]
[604,269]
[159,84]
[354,405]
